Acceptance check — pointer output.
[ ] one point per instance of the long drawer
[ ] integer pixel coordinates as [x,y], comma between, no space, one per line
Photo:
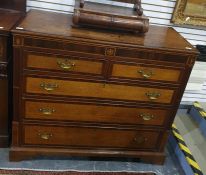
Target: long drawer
[70,64]
[95,113]
[98,90]
[90,137]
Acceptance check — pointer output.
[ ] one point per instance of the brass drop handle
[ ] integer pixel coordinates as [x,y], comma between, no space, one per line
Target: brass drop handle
[145,74]
[48,86]
[45,136]
[66,64]
[46,111]
[140,140]
[153,95]
[146,117]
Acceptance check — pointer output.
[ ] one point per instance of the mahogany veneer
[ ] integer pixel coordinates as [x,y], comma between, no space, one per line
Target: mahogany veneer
[95,92]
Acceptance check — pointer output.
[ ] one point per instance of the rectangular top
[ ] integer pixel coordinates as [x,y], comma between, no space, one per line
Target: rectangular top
[59,25]
[8,18]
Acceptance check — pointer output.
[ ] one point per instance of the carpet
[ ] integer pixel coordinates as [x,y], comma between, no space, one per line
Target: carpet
[30,172]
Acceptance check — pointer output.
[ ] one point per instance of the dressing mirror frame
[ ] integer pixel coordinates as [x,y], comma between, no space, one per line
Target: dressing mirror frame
[179,17]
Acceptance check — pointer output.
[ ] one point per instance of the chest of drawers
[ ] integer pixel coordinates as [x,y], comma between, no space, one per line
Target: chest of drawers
[8,18]
[90,92]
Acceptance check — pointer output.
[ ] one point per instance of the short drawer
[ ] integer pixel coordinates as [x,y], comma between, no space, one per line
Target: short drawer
[146,73]
[95,113]
[62,63]
[90,137]
[3,48]
[98,90]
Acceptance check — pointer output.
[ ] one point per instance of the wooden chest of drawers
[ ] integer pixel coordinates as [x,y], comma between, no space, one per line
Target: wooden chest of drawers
[8,18]
[90,92]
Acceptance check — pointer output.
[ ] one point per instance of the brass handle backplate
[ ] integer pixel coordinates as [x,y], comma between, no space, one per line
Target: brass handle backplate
[146,116]
[48,86]
[146,74]
[140,140]
[46,111]
[153,95]
[45,136]
[66,64]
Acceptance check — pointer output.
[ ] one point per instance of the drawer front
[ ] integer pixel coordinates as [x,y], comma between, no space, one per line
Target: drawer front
[97,90]
[146,73]
[96,113]
[3,48]
[59,63]
[89,137]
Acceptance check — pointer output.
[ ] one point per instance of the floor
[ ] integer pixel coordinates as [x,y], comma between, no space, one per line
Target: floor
[171,166]
[193,137]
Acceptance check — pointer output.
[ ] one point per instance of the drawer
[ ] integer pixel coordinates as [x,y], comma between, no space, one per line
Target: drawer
[98,90]
[62,63]
[3,48]
[95,113]
[146,72]
[90,137]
